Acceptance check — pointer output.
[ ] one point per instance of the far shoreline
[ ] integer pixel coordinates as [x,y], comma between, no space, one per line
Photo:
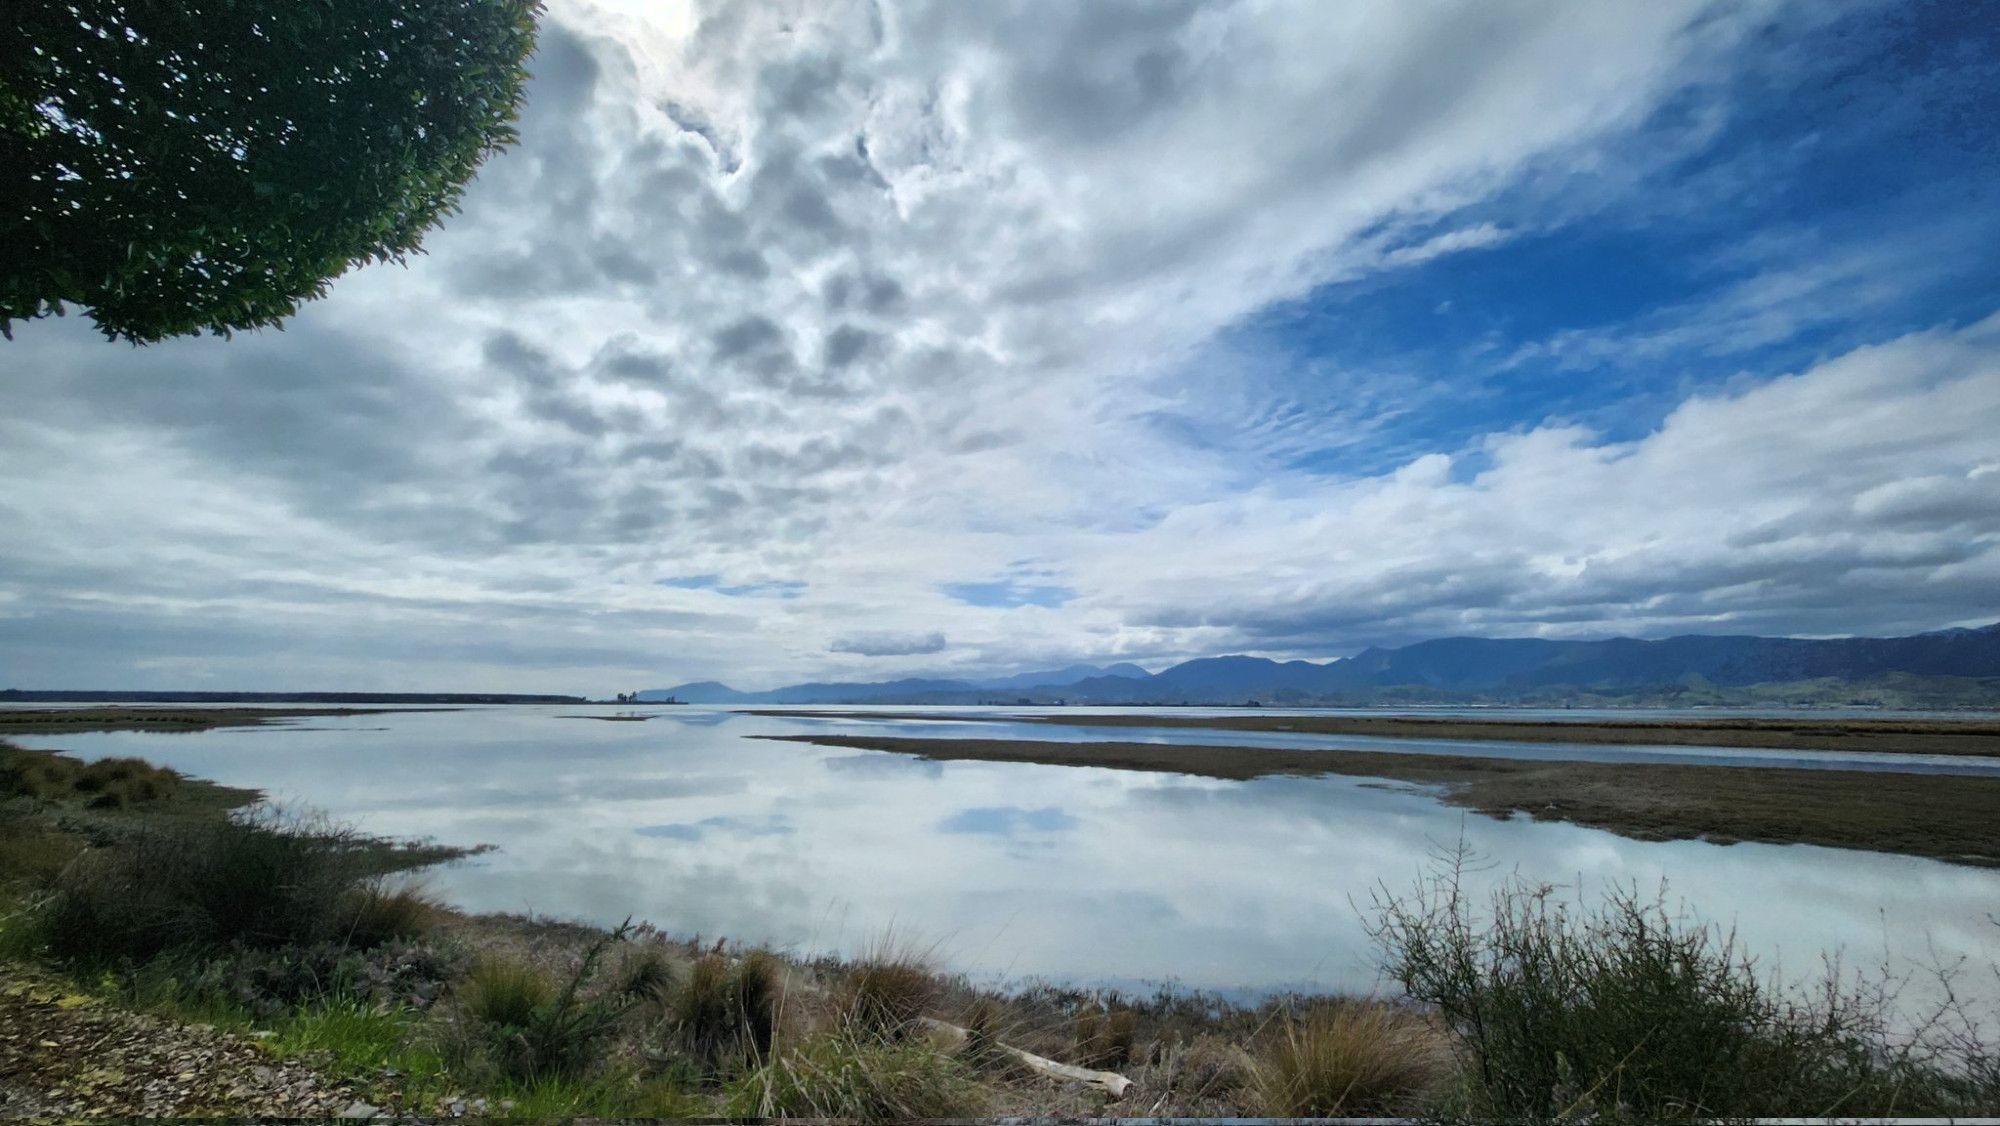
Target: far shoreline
[1883,736]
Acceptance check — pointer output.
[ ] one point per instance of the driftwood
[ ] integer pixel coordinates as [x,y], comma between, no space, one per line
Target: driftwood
[1110,1082]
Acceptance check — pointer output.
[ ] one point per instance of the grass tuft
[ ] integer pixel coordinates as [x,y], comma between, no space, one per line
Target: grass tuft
[504,993]
[1206,1070]
[1104,1040]
[723,1011]
[1348,1059]
[888,991]
[845,1075]
[531,1030]
[379,914]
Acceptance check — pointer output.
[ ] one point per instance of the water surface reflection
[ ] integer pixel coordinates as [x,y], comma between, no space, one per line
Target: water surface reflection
[1014,870]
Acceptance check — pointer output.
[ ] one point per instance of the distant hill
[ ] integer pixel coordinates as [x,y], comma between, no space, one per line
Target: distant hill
[710,692]
[1954,667]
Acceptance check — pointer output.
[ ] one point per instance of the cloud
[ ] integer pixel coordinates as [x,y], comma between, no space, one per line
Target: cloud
[1849,492]
[1008,821]
[788,319]
[888,644]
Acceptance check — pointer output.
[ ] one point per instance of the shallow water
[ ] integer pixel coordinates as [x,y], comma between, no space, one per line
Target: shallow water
[1012,870]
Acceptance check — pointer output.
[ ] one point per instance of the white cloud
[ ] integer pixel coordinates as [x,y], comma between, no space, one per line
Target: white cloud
[854,302]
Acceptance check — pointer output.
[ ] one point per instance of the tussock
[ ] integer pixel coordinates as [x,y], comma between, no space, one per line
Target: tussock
[1352,1059]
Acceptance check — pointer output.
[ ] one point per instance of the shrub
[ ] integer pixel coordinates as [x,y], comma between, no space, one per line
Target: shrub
[1627,1012]
[845,1075]
[105,784]
[32,856]
[1347,1059]
[237,984]
[259,882]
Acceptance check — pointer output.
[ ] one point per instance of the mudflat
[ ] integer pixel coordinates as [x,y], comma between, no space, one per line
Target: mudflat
[1943,817]
[1971,736]
[63,721]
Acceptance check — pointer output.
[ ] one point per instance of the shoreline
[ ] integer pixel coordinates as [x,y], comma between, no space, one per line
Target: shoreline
[1885,736]
[1935,816]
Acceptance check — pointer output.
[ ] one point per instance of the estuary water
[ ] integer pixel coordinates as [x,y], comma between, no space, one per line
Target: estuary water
[1015,871]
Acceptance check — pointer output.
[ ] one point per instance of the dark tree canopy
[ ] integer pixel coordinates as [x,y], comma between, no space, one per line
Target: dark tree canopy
[175,166]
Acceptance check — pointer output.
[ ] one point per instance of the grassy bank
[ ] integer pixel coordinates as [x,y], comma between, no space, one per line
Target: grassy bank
[1932,815]
[299,940]
[1886,736]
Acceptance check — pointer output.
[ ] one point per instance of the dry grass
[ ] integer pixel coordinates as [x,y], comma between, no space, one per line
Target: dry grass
[845,1075]
[1105,1039]
[887,991]
[1209,1068]
[1348,1059]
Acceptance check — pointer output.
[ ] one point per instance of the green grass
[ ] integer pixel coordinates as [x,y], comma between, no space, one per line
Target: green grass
[355,1040]
[361,1036]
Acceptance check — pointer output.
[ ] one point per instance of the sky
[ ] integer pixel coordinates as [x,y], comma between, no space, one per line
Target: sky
[860,340]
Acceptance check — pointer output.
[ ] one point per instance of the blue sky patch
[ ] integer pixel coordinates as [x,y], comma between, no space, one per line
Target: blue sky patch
[1009,593]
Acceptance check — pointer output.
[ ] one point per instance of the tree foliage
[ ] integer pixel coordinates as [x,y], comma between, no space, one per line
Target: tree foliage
[175,166]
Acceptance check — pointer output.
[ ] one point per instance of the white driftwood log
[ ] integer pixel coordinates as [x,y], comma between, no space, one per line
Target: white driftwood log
[1110,1082]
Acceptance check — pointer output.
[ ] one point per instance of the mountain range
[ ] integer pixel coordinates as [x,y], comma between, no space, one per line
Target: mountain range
[1956,666]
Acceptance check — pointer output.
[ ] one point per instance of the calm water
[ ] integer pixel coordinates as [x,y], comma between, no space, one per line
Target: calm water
[1012,870]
